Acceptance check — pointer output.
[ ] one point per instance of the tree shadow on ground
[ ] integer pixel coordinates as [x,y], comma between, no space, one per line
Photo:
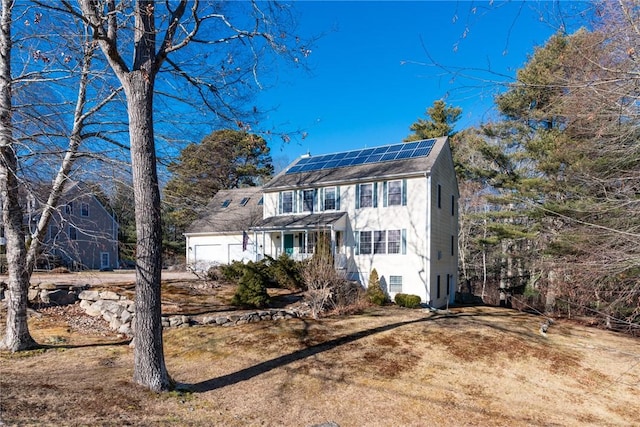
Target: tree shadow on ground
[266,366]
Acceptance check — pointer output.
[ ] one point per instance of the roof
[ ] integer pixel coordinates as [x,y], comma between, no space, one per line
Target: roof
[338,168]
[299,221]
[232,210]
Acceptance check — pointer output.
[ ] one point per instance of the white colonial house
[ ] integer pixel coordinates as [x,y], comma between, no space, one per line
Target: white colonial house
[392,208]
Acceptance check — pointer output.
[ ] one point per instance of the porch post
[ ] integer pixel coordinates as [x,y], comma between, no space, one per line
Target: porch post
[281,242]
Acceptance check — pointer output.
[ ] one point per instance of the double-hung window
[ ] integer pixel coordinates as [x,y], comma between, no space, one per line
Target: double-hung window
[307,200]
[394,193]
[365,242]
[73,233]
[329,199]
[379,242]
[84,209]
[286,202]
[395,284]
[393,242]
[366,195]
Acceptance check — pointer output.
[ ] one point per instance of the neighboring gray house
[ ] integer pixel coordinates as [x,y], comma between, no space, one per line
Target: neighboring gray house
[221,235]
[392,208]
[82,233]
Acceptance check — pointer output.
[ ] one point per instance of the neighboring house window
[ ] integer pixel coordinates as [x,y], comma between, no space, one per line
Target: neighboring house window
[226,203]
[307,200]
[453,248]
[84,209]
[73,233]
[286,202]
[329,202]
[438,287]
[53,231]
[365,242]
[394,240]
[453,205]
[439,196]
[380,242]
[244,201]
[449,277]
[395,284]
[69,208]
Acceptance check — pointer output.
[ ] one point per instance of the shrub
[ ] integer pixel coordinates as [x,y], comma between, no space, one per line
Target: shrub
[374,293]
[252,288]
[407,300]
[325,285]
[232,272]
[286,272]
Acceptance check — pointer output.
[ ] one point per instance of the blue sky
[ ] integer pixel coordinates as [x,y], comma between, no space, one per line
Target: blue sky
[371,75]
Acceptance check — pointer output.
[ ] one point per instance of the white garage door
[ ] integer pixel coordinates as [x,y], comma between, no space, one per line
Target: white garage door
[208,255]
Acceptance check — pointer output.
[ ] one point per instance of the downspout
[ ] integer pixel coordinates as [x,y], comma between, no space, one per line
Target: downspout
[427,267]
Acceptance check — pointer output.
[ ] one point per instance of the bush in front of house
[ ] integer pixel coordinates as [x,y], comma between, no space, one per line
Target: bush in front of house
[285,272]
[374,293]
[252,287]
[407,300]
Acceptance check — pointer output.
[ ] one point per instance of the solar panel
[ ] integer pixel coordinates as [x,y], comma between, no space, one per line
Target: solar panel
[384,153]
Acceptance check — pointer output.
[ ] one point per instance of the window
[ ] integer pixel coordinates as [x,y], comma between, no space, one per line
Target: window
[453,205]
[244,201]
[226,203]
[380,242]
[329,199]
[366,195]
[310,245]
[286,205]
[84,209]
[307,200]
[395,284]
[365,242]
[69,208]
[453,248]
[438,287]
[449,277]
[393,242]
[73,233]
[439,196]
[53,231]
[394,193]
[261,201]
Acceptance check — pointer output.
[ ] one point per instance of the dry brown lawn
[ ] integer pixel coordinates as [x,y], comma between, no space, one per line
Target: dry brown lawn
[475,366]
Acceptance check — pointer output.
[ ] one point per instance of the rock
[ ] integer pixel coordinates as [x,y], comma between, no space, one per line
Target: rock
[125,328]
[47,286]
[125,316]
[175,321]
[89,295]
[110,295]
[85,304]
[95,309]
[115,323]
[33,294]
[221,320]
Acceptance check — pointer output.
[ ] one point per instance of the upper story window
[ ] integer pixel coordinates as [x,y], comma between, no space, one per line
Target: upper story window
[308,198]
[394,241]
[395,193]
[73,233]
[225,203]
[381,242]
[453,205]
[331,200]
[69,208]
[261,201]
[366,195]
[244,201]
[439,196]
[286,202]
[84,209]
[365,243]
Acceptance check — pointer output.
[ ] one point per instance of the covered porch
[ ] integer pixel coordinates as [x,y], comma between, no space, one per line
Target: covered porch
[298,236]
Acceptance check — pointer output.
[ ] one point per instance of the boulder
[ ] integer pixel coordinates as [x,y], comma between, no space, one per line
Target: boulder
[47,286]
[89,295]
[110,295]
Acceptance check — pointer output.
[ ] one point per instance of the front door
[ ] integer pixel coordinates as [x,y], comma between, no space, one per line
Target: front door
[288,244]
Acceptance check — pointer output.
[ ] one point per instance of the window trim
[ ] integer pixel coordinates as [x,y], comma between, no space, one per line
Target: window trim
[84,209]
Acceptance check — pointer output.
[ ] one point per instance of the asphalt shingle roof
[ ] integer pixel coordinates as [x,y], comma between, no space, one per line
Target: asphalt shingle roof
[234,217]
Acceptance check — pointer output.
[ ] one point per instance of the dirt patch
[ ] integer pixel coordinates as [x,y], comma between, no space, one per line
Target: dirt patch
[386,366]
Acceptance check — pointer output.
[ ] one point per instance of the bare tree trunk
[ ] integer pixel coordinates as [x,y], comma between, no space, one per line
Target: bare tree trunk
[149,365]
[17,336]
